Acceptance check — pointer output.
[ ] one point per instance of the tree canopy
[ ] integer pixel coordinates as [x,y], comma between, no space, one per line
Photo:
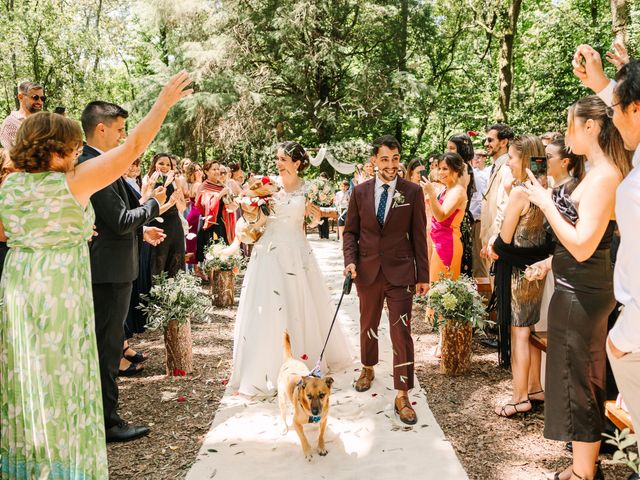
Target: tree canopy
[333,73]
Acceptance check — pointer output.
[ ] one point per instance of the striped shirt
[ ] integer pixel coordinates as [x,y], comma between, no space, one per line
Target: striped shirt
[9,129]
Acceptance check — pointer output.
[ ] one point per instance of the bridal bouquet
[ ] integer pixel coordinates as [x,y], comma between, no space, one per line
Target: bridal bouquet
[321,192]
[256,203]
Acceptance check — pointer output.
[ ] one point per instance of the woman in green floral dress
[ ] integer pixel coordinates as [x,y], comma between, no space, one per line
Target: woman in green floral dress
[51,419]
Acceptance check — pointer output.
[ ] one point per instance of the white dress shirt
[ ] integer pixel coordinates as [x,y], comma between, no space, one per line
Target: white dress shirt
[481,179]
[625,334]
[378,194]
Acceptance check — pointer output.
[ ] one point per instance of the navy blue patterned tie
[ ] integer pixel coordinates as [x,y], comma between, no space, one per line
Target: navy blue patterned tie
[382,206]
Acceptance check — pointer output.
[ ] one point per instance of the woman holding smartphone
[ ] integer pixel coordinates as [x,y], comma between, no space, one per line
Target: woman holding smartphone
[583,224]
[521,242]
[169,255]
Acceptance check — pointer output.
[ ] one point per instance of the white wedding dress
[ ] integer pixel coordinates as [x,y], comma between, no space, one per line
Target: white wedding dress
[283,288]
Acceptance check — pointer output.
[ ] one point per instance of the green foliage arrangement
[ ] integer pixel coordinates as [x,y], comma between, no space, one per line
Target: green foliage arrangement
[216,261]
[624,440]
[179,298]
[457,303]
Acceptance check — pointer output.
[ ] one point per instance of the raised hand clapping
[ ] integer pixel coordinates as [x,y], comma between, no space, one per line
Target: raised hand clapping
[619,57]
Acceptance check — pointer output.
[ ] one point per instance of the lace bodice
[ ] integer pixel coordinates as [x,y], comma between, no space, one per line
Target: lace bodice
[287,219]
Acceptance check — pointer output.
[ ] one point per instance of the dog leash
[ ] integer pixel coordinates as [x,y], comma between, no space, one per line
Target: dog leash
[346,290]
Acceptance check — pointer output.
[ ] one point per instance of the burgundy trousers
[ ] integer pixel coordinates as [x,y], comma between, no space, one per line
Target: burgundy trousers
[399,301]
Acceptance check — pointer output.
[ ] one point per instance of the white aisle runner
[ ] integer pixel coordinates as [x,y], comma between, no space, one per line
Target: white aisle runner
[364,438]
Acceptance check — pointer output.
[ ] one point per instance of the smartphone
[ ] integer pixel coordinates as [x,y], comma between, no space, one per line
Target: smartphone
[160,181]
[538,166]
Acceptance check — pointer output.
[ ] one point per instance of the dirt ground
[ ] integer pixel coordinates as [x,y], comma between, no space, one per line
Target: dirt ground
[489,447]
[180,411]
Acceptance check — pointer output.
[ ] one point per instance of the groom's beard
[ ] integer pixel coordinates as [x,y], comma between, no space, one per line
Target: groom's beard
[388,175]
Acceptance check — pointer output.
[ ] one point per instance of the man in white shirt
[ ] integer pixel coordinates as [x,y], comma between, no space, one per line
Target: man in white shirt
[623,100]
[481,178]
[31,97]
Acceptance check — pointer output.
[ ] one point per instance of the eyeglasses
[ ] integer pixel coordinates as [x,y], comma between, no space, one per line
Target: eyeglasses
[609,110]
[35,98]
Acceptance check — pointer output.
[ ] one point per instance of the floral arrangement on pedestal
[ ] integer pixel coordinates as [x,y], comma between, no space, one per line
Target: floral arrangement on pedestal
[222,270]
[457,309]
[170,305]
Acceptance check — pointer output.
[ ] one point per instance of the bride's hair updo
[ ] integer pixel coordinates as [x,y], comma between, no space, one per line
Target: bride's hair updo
[297,154]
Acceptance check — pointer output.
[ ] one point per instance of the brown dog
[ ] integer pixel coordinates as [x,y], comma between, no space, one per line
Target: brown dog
[309,396]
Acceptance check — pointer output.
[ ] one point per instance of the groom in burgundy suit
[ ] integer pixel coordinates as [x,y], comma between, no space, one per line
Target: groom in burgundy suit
[385,249]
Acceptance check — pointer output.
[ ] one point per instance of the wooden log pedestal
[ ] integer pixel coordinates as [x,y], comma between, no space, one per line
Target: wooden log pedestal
[222,287]
[178,345]
[456,349]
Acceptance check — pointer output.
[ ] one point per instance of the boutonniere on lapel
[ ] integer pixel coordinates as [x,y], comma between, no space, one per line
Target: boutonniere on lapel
[398,199]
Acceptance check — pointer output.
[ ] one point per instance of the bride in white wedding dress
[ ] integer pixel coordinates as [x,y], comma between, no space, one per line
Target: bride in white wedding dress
[284,288]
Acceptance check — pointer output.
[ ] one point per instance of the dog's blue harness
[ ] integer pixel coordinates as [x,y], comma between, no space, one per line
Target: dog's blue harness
[314,419]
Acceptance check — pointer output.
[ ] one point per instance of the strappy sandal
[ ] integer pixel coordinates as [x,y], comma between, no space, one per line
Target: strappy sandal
[597,476]
[137,358]
[535,401]
[503,410]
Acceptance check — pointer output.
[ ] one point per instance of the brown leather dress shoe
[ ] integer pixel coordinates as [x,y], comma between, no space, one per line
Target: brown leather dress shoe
[364,382]
[405,411]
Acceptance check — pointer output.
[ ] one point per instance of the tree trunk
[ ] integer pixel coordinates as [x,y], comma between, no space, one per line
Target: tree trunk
[456,349]
[402,60]
[621,21]
[96,61]
[164,44]
[222,287]
[177,342]
[505,62]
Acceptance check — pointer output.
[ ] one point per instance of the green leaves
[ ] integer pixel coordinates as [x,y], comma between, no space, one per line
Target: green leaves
[179,298]
[623,440]
[457,302]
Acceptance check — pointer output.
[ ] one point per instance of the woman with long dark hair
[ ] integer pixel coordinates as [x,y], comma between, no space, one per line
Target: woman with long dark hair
[168,256]
[583,223]
[219,223]
[461,144]
[448,209]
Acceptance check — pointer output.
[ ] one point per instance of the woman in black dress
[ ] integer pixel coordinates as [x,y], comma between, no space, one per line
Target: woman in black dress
[461,144]
[583,223]
[168,256]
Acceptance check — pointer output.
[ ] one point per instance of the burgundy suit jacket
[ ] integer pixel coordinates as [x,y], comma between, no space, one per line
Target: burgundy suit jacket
[399,247]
